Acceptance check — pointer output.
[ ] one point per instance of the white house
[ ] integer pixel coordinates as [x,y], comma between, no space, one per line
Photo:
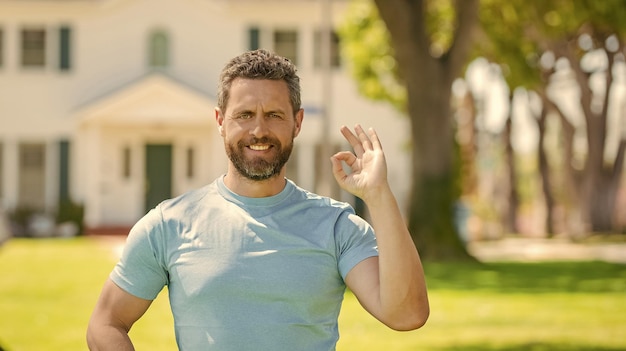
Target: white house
[110,103]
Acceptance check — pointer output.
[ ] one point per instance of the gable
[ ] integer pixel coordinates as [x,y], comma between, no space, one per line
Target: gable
[155,99]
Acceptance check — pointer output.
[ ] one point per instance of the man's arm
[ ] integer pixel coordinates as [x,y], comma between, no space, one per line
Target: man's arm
[391,286]
[115,313]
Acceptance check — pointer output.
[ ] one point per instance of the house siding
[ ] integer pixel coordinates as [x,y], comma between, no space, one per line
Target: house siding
[97,95]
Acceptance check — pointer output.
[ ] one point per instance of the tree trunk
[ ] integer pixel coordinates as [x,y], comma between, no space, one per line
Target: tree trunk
[604,195]
[544,168]
[435,190]
[513,203]
[466,139]
[575,215]
[428,81]
[599,184]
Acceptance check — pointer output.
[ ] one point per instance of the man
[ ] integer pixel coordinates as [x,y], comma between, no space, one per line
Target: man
[253,262]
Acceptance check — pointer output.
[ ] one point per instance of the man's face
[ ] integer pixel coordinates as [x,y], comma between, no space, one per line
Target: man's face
[258,127]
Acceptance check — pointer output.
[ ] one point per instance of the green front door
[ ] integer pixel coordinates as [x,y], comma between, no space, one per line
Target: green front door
[158,174]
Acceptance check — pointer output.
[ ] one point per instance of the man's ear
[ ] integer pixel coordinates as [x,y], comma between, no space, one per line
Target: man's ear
[219,119]
[299,118]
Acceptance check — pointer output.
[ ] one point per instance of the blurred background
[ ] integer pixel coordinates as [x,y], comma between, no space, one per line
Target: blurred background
[503,122]
[497,118]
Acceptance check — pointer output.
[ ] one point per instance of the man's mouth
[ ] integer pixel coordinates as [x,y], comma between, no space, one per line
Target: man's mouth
[259,147]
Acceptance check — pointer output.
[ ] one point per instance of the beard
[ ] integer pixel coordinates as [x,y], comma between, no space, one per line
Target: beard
[258,168]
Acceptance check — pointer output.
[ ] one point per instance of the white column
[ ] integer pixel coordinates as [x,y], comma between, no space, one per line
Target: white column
[90,159]
[12,45]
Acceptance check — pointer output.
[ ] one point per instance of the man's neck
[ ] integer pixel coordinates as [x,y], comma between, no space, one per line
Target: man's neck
[243,186]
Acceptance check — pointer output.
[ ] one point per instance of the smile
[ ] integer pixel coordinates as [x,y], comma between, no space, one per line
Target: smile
[259,147]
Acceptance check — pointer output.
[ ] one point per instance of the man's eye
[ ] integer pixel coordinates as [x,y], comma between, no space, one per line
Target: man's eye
[275,115]
[245,115]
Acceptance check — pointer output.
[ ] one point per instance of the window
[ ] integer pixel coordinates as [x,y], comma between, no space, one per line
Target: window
[286,44]
[335,60]
[254,37]
[126,163]
[33,47]
[190,163]
[65,48]
[32,176]
[158,50]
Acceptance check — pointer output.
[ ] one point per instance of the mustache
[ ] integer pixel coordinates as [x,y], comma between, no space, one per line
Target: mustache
[254,140]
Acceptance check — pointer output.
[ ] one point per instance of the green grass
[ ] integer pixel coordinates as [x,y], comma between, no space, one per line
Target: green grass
[48,288]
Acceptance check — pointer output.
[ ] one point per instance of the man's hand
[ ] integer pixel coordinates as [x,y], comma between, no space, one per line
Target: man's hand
[368,168]
[391,286]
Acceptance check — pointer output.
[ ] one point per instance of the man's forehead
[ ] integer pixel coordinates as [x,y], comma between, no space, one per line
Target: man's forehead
[243,82]
[248,93]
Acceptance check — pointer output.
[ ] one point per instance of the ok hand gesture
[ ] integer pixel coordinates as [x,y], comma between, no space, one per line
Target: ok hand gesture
[368,168]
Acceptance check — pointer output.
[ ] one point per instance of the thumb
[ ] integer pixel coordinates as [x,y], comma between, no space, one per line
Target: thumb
[336,160]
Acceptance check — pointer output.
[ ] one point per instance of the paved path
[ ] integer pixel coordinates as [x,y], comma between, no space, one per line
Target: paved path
[525,249]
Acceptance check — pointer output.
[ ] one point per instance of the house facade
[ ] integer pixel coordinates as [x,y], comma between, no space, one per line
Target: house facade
[110,103]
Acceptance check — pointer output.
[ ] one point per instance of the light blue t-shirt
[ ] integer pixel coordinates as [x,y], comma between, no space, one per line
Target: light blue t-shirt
[247,273]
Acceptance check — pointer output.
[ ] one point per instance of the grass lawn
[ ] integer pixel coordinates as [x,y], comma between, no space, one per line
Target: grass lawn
[49,287]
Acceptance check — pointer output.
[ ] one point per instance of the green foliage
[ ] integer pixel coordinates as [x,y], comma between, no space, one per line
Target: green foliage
[509,43]
[19,220]
[366,43]
[519,33]
[71,212]
[440,25]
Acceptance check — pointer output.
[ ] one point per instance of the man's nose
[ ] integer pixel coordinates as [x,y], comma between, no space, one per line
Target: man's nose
[260,127]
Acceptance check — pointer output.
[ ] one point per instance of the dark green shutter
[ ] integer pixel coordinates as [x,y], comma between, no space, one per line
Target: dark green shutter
[64,170]
[65,46]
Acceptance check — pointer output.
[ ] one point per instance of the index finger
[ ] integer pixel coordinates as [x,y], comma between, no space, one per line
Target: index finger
[353,140]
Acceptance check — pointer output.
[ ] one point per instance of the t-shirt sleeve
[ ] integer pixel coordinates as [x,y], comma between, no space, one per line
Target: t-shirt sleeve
[356,241]
[139,271]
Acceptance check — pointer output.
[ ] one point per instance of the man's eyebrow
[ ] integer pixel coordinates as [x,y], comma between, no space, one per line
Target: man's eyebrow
[279,111]
[247,110]
[240,111]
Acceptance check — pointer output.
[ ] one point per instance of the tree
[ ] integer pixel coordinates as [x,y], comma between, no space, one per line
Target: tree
[506,26]
[571,33]
[603,24]
[430,42]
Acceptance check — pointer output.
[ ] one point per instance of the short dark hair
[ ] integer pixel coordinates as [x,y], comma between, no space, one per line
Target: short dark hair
[259,64]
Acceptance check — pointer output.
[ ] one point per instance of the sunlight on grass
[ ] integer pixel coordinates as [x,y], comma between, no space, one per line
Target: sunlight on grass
[49,288]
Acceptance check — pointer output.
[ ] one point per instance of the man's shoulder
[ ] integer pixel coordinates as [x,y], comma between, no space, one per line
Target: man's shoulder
[315,200]
[191,198]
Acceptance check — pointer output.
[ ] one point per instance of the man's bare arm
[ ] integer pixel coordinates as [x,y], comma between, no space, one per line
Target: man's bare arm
[115,313]
[391,286]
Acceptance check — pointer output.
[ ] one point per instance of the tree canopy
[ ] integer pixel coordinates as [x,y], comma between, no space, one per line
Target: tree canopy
[409,52]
